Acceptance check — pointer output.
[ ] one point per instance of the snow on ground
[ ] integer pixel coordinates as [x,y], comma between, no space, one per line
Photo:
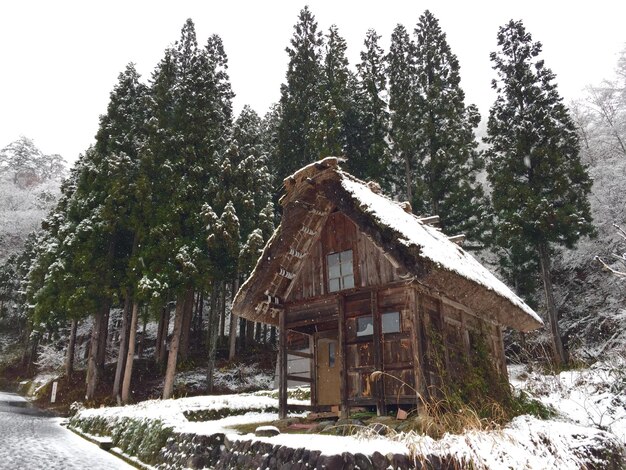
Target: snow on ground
[592,421]
[172,412]
[526,443]
[594,397]
[331,445]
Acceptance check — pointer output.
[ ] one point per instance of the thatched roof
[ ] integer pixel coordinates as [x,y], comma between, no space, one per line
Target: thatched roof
[428,255]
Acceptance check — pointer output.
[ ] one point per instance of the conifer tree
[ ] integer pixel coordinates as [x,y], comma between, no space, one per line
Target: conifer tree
[300,100]
[540,187]
[336,96]
[191,114]
[401,74]
[447,155]
[371,158]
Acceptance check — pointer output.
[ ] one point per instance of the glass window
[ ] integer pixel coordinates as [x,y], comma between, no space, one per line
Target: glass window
[340,271]
[365,326]
[391,322]
[332,353]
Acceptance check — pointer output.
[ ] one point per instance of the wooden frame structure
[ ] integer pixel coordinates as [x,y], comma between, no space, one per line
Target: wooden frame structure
[372,289]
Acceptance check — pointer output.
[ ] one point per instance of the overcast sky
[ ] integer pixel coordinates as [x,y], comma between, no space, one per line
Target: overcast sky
[60,59]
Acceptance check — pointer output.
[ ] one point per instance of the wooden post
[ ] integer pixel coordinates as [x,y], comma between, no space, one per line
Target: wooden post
[282,365]
[313,370]
[378,387]
[416,343]
[341,337]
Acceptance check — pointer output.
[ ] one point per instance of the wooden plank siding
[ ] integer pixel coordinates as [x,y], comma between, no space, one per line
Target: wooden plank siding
[371,266]
[435,331]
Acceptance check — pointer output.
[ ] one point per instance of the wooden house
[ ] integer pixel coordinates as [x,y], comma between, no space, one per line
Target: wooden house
[369,285]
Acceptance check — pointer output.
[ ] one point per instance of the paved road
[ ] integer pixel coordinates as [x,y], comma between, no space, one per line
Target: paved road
[30,440]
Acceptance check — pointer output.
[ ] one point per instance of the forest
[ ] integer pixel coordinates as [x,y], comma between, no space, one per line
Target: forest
[164,216]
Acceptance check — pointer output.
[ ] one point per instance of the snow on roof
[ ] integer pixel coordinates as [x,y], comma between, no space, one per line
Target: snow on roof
[433,244]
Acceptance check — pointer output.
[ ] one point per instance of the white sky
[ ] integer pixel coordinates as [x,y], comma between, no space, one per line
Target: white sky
[61,58]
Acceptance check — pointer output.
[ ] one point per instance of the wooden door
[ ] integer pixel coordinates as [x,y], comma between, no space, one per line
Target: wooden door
[328,362]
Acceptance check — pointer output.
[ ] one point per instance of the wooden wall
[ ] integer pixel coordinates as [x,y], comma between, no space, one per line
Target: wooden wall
[371,267]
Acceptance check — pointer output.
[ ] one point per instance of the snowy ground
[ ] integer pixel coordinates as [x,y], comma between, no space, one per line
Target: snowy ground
[34,441]
[593,397]
[590,403]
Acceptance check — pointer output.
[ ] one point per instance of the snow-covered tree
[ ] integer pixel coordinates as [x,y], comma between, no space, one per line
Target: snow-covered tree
[369,158]
[447,158]
[401,75]
[540,187]
[300,101]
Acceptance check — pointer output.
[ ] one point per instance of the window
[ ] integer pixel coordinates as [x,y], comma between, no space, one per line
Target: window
[365,326]
[340,272]
[391,322]
[332,354]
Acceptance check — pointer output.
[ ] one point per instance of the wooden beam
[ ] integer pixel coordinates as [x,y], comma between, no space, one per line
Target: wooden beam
[286,274]
[282,366]
[313,369]
[341,337]
[432,220]
[458,239]
[273,301]
[300,354]
[299,378]
[296,253]
[378,385]
[306,230]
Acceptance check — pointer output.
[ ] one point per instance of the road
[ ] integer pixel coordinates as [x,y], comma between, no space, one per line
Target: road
[31,440]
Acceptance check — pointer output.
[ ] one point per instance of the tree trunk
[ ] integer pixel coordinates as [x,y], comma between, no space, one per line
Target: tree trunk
[93,369]
[142,342]
[164,326]
[170,373]
[69,358]
[242,335]
[123,349]
[223,327]
[212,336]
[31,343]
[232,334]
[257,332]
[104,334]
[249,333]
[200,319]
[560,356]
[183,349]
[272,335]
[130,354]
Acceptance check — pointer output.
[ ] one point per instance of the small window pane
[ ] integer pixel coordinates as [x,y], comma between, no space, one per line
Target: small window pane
[348,282]
[391,322]
[346,256]
[333,260]
[365,326]
[334,271]
[346,267]
[333,285]
[332,352]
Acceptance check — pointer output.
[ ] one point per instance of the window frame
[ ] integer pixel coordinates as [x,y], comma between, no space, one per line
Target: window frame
[343,273]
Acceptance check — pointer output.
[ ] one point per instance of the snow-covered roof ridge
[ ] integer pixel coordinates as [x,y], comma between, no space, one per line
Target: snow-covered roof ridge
[431,243]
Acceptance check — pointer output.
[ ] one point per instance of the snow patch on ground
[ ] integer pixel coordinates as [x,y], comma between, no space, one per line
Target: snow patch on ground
[526,443]
[172,412]
[594,397]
